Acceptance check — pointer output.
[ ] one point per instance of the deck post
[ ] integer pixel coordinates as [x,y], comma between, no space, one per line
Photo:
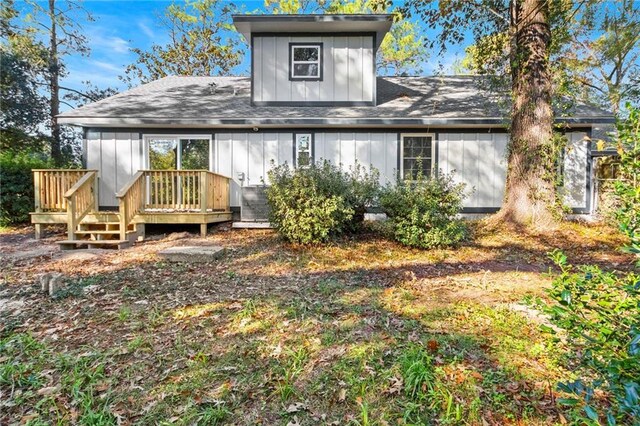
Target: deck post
[204,188]
[71,222]
[96,205]
[203,230]
[123,220]
[38,208]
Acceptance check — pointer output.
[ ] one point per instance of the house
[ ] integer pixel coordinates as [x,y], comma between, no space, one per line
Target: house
[197,149]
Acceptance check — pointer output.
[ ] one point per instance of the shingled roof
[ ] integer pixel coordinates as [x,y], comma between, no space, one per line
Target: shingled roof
[226,101]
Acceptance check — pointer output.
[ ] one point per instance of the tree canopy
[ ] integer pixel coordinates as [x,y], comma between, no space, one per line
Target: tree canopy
[202,43]
[402,51]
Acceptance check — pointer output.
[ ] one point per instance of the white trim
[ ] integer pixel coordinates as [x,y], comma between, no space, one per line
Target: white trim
[433,150]
[309,149]
[177,137]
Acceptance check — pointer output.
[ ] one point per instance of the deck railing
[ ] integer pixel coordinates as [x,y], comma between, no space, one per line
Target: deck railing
[81,198]
[51,185]
[171,190]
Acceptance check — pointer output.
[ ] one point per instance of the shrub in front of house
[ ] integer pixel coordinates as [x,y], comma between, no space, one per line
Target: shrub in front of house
[16,186]
[314,203]
[423,212]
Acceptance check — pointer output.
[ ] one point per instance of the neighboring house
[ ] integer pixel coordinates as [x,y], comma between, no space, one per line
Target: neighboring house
[313,94]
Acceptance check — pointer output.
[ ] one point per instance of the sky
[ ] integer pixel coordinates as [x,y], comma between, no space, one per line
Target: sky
[120,25]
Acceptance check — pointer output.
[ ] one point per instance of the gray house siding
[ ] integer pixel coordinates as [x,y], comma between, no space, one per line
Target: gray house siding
[348,71]
[117,156]
[477,158]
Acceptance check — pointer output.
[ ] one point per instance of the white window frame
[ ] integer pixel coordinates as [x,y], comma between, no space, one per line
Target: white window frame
[177,138]
[310,150]
[433,150]
[293,62]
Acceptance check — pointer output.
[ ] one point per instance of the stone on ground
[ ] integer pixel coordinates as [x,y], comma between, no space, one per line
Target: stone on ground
[194,254]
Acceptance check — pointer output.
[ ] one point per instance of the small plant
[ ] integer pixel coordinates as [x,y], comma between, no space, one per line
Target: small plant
[313,203]
[600,313]
[417,372]
[422,213]
[627,187]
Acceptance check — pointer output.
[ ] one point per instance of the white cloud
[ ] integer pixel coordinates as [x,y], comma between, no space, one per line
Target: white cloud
[146,29]
[107,66]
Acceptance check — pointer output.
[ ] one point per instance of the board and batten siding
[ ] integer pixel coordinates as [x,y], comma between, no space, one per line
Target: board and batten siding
[348,70]
[575,168]
[479,161]
[379,150]
[251,154]
[117,157]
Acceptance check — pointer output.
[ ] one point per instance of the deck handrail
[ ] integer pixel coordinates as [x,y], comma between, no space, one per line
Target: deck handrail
[81,199]
[131,200]
[161,190]
[51,185]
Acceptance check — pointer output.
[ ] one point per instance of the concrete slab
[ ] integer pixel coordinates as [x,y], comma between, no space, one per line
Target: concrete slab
[192,254]
[251,225]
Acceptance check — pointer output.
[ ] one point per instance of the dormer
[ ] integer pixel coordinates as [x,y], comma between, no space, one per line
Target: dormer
[313,60]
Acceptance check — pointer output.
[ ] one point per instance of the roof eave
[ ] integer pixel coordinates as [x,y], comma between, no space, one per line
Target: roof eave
[310,121]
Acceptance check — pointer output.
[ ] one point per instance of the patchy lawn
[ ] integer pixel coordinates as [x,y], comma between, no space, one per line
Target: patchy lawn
[359,332]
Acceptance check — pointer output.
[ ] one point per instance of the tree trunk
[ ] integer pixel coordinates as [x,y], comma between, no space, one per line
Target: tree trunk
[530,197]
[54,89]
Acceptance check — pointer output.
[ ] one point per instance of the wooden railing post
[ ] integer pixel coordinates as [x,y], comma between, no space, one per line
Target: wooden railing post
[96,194]
[204,190]
[124,223]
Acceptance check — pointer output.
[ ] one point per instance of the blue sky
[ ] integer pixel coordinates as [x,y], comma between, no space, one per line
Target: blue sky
[120,25]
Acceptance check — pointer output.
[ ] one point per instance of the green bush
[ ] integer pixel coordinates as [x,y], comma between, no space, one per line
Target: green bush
[16,186]
[422,213]
[600,314]
[313,203]
[627,187]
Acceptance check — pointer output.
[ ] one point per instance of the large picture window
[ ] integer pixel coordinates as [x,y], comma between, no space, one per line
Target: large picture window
[305,61]
[417,156]
[178,153]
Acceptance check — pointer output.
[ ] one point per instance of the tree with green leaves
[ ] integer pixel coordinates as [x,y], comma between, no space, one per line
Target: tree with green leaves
[595,57]
[62,35]
[22,106]
[602,58]
[522,29]
[402,50]
[35,43]
[201,44]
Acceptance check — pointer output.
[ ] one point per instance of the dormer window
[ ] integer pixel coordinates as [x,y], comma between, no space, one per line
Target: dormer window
[305,61]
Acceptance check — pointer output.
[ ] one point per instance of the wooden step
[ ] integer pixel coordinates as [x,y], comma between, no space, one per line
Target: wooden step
[101,232]
[74,244]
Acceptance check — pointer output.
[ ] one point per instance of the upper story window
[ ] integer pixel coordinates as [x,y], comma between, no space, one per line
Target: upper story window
[305,61]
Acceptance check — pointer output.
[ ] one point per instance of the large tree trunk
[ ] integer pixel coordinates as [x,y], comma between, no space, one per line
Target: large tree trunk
[54,88]
[530,197]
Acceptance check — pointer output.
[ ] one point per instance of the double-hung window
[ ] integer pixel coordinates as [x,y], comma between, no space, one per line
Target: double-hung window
[417,156]
[305,61]
[303,149]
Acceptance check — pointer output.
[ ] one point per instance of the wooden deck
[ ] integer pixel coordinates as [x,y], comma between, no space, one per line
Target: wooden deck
[152,196]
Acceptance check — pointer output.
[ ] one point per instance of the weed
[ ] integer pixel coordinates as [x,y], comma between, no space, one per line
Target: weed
[124,313]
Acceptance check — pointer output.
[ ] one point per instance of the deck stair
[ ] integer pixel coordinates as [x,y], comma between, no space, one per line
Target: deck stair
[150,197]
[100,234]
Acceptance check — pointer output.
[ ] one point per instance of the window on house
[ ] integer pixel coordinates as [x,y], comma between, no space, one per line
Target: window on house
[417,156]
[306,61]
[303,149]
[176,153]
